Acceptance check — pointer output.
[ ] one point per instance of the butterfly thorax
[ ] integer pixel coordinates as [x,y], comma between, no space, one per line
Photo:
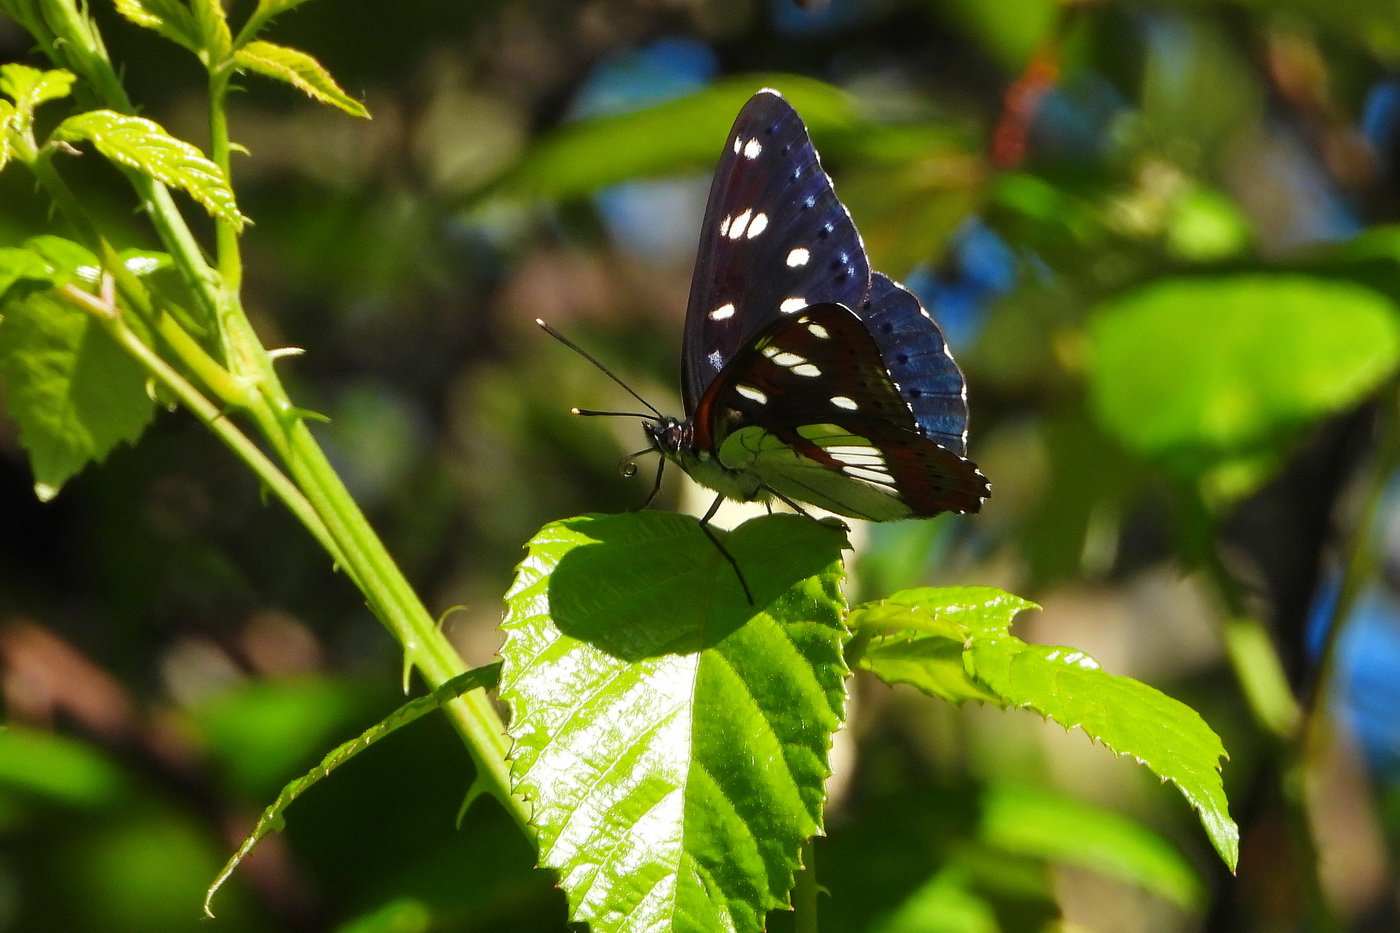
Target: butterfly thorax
[674,439]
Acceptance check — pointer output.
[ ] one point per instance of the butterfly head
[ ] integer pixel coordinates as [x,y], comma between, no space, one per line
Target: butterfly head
[668,435]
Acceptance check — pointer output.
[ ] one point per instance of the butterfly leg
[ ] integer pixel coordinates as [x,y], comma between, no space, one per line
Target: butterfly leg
[705,527]
[656,486]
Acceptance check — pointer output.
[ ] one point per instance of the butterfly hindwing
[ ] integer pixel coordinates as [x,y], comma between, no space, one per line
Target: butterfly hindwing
[810,407]
[774,239]
[917,359]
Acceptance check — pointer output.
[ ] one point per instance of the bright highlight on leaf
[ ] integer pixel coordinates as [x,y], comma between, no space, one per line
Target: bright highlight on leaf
[145,146]
[299,70]
[954,643]
[672,739]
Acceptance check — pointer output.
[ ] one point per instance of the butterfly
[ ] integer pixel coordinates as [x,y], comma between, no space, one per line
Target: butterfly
[807,376]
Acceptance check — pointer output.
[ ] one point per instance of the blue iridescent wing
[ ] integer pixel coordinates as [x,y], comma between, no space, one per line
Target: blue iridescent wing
[774,240]
[916,356]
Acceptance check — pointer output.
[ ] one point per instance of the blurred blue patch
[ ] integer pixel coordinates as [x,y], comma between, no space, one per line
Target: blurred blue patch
[979,268]
[657,220]
[1380,118]
[816,16]
[1366,688]
[1075,118]
[664,70]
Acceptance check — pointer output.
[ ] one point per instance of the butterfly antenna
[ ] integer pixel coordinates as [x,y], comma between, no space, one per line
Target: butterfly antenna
[605,371]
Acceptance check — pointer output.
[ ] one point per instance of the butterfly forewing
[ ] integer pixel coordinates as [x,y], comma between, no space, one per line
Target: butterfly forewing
[774,240]
[811,407]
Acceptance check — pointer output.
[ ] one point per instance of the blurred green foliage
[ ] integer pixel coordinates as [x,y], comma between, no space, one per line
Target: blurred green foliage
[1177,357]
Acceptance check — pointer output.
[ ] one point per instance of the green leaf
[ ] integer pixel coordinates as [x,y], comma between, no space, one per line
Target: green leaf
[216,40]
[1128,717]
[953,643]
[587,155]
[671,738]
[18,265]
[64,260]
[71,390]
[57,768]
[270,8]
[143,145]
[921,635]
[7,126]
[299,70]
[1197,372]
[27,88]
[30,87]
[1046,824]
[170,18]
[271,820]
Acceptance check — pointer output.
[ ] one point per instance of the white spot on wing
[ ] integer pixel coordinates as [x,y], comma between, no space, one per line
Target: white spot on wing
[841,401]
[869,476]
[807,369]
[715,359]
[786,359]
[723,312]
[798,257]
[736,229]
[816,330]
[750,392]
[752,148]
[737,143]
[724,225]
[793,305]
[758,225]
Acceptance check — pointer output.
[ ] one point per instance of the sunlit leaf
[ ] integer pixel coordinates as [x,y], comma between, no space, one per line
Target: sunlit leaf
[143,145]
[671,738]
[299,70]
[30,87]
[1127,716]
[921,635]
[215,39]
[7,123]
[1191,372]
[953,643]
[270,8]
[171,18]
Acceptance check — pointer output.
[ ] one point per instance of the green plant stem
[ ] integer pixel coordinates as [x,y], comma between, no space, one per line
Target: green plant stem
[356,547]
[805,891]
[400,609]
[229,257]
[222,427]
